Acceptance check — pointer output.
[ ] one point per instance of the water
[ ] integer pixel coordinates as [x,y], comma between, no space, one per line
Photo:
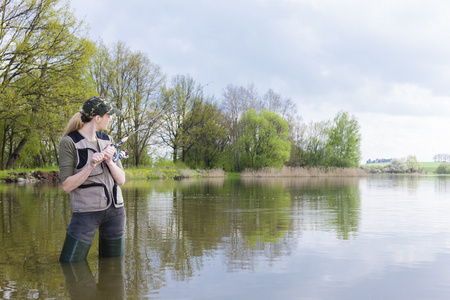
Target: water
[291,238]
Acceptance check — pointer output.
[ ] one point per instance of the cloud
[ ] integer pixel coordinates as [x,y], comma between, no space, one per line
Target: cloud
[380,60]
[387,136]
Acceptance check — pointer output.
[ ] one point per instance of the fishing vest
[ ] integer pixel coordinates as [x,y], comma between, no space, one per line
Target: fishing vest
[100,190]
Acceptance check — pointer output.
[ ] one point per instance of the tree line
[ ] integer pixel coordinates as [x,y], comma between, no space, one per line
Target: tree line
[49,67]
[442,157]
[396,166]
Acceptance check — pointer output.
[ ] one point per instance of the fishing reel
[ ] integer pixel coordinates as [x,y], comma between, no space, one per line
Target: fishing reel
[120,154]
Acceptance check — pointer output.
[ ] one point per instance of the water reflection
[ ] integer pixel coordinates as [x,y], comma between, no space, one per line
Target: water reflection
[399,182]
[442,184]
[330,203]
[81,284]
[32,221]
[175,229]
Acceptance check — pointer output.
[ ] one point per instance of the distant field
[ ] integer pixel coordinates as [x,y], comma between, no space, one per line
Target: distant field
[429,167]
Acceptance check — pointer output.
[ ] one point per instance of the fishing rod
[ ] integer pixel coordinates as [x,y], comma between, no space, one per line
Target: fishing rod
[121,154]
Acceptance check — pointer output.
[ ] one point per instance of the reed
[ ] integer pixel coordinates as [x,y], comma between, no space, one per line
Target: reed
[304,172]
[212,173]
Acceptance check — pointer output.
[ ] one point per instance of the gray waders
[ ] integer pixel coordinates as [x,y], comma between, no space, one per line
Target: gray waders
[76,250]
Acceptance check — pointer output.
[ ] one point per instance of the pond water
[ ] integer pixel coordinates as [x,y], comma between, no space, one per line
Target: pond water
[286,238]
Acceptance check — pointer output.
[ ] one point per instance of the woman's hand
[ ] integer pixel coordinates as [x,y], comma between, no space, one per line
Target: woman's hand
[108,153]
[72,182]
[97,158]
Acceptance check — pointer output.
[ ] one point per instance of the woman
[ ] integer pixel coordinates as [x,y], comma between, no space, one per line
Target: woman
[90,175]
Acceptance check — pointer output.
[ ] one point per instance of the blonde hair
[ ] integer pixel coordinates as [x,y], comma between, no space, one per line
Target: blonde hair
[75,123]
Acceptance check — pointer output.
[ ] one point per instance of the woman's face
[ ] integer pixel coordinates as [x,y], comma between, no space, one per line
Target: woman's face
[104,122]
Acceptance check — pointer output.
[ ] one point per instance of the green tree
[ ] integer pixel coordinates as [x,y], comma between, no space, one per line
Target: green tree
[132,83]
[263,142]
[209,137]
[412,164]
[316,144]
[309,144]
[44,56]
[344,141]
[236,100]
[187,100]
[443,168]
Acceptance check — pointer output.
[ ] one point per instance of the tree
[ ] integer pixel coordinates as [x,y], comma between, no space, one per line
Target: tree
[132,83]
[232,109]
[43,59]
[396,166]
[316,152]
[441,157]
[412,165]
[273,101]
[309,144]
[186,98]
[344,142]
[263,142]
[443,168]
[237,100]
[209,137]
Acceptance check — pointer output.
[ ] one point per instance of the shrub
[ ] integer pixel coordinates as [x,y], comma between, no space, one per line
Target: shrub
[443,168]
[396,166]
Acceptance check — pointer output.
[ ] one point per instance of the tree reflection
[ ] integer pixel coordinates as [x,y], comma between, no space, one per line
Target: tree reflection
[32,227]
[174,228]
[330,203]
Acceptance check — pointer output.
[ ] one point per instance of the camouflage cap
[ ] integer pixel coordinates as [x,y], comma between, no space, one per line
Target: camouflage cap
[98,106]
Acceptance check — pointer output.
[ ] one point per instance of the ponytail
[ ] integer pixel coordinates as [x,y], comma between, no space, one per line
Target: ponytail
[75,123]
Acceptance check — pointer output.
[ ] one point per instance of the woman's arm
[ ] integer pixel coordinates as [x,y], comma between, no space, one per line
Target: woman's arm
[71,181]
[117,173]
[74,181]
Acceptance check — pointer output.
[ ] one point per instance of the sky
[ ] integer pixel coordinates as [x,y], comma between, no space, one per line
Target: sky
[385,62]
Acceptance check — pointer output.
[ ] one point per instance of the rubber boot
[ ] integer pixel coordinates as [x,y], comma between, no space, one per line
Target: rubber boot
[74,249]
[111,247]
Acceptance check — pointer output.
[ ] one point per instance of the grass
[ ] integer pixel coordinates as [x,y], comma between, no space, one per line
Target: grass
[233,175]
[430,167]
[171,172]
[157,172]
[181,171]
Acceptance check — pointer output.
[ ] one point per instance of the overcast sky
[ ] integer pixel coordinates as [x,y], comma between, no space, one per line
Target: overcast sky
[385,62]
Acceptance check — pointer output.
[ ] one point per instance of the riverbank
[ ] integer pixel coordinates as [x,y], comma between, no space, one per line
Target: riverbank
[52,174]
[171,172]
[29,176]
